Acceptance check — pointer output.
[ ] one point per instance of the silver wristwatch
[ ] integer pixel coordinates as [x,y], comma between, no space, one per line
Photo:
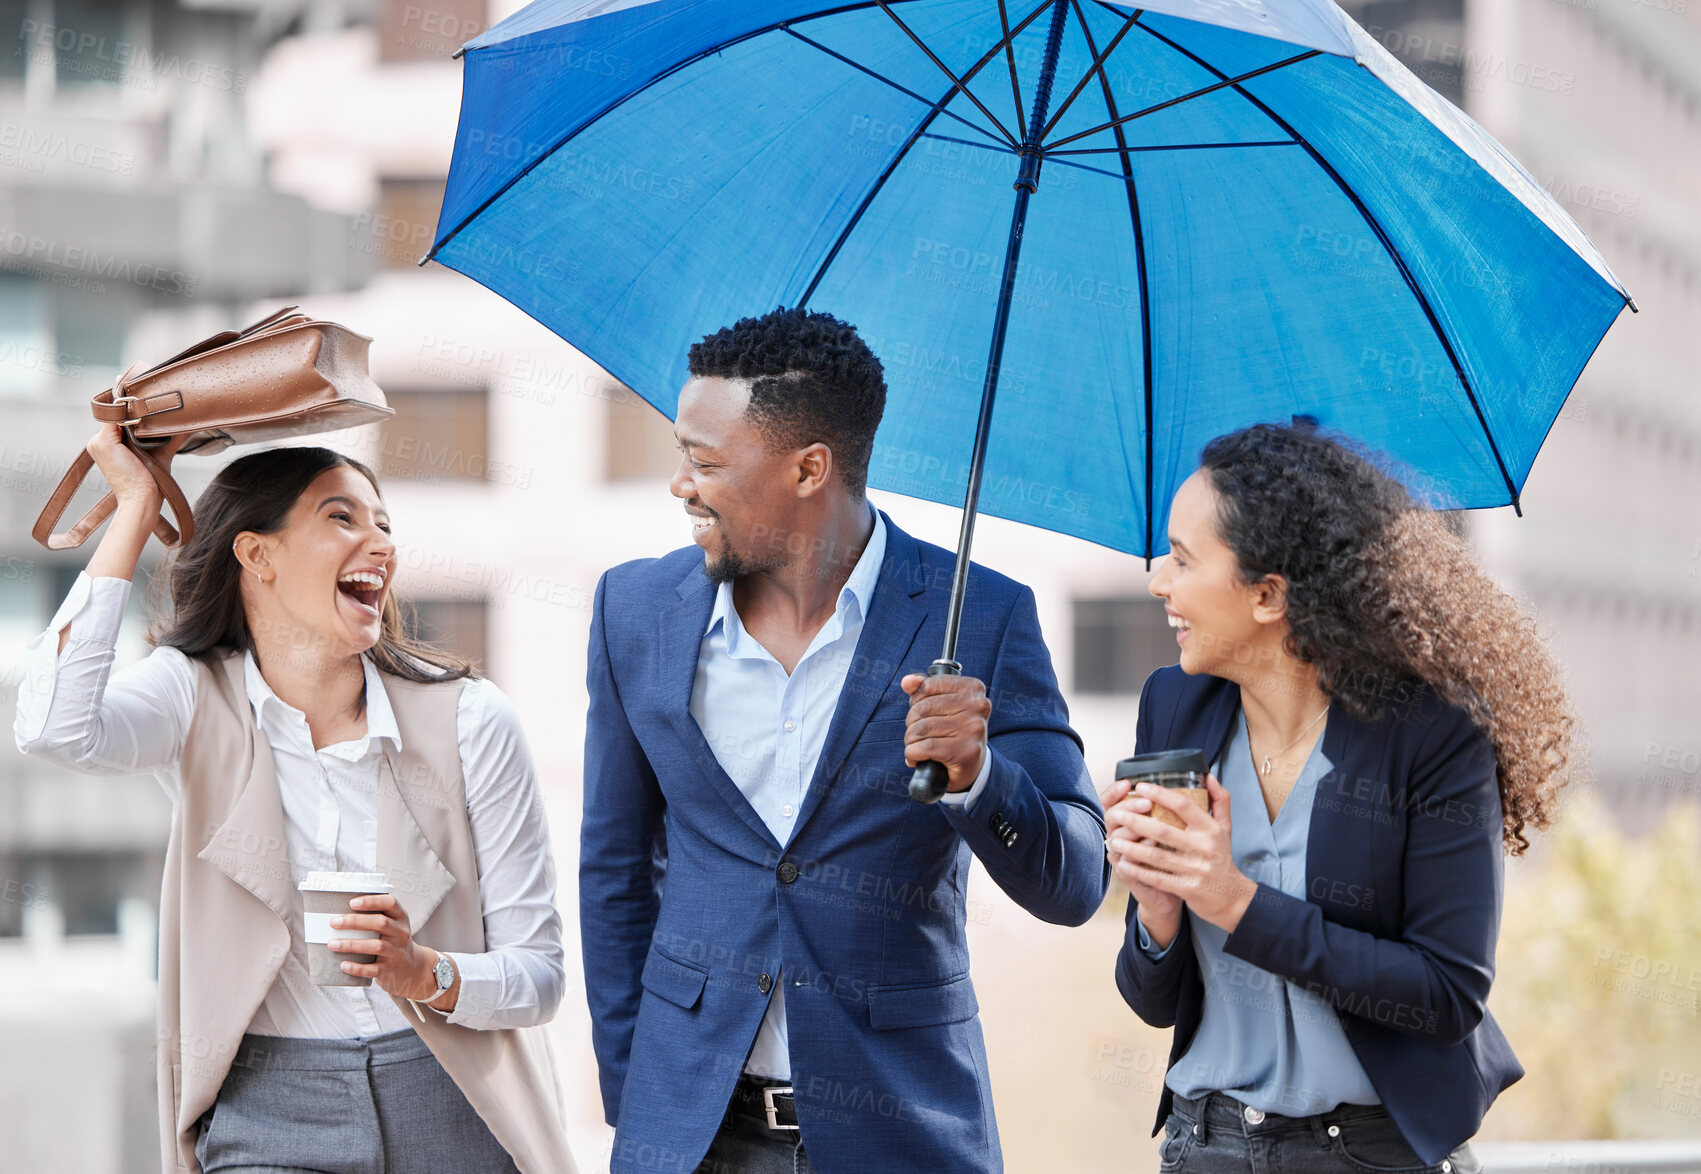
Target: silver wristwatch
[444,973]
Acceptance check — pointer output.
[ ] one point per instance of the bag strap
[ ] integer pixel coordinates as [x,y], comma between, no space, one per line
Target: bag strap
[78,534]
[116,406]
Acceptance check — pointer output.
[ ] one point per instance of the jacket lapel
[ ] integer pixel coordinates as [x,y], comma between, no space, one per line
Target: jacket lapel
[249,847]
[1219,723]
[894,618]
[418,874]
[1324,841]
[681,640]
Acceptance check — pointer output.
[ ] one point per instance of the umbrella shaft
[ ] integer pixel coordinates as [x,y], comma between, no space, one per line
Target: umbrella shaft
[983,426]
[1026,184]
[930,778]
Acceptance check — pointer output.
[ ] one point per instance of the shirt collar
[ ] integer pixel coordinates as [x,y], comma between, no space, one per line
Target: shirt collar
[858,590]
[380,718]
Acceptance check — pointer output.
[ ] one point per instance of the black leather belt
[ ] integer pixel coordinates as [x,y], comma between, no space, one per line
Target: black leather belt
[771,1101]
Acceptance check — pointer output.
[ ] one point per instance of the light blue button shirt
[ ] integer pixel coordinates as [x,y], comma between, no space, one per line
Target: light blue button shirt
[1263,1040]
[767,729]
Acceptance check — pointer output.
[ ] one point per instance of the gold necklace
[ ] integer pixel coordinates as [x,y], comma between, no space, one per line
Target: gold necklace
[1265,769]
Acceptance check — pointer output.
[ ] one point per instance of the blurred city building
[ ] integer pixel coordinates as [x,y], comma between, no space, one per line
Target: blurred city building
[168,169]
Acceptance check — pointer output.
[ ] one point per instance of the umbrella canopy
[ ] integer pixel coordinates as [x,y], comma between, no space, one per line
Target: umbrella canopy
[1243,211]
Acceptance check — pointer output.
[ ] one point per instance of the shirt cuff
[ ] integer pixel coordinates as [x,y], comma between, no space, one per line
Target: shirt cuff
[95,607]
[481,989]
[1145,941]
[964,798]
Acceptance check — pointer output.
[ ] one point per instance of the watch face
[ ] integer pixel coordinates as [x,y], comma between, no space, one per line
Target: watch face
[445,974]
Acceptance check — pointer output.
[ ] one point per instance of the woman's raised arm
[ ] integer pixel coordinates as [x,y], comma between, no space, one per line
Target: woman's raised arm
[72,709]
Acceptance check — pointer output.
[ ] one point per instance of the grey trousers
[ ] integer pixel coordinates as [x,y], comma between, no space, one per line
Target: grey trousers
[381,1105]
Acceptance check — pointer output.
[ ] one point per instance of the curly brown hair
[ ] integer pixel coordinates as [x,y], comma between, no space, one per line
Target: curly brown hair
[1380,589]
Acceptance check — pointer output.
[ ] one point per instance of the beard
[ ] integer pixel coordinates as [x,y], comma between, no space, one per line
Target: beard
[727,564]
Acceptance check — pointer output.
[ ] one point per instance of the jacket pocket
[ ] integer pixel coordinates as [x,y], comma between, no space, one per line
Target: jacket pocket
[891,1008]
[885,730]
[680,983]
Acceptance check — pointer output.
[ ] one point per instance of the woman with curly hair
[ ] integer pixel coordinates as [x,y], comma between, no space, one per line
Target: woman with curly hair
[1383,723]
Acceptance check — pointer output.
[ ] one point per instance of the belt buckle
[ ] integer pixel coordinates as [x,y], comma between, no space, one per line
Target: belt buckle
[772,1110]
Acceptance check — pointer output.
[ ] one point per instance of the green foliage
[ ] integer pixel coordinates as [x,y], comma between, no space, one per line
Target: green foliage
[1599,978]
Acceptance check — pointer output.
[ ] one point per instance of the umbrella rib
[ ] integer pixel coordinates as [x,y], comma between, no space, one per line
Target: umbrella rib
[712,51]
[1140,262]
[1010,57]
[937,109]
[1058,156]
[991,138]
[1375,226]
[958,85]
[856,217]
[994,146]
[1096,68]
[1200,93]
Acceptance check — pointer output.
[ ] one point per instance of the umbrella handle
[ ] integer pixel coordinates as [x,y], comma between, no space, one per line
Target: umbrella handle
[930,778]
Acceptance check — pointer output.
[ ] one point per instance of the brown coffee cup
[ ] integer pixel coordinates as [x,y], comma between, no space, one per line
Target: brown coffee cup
[1178,771]
[325,895]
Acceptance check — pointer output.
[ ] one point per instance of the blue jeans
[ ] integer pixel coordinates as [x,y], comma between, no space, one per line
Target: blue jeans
[1216,1135]
[745,1145]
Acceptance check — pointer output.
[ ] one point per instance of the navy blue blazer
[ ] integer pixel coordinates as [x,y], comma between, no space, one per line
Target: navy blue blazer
[689,906]
[1401,911]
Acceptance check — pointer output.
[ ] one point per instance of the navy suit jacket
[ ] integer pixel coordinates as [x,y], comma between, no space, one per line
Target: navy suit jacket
[689,906]
[1401,910]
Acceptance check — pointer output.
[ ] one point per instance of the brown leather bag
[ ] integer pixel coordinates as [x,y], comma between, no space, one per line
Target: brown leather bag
[286,375]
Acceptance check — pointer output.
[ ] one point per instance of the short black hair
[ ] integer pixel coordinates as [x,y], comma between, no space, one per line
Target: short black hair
[812,378]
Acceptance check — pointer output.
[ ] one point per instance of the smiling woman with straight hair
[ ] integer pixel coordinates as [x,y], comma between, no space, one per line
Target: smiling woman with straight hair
[298,729]
[1384,723]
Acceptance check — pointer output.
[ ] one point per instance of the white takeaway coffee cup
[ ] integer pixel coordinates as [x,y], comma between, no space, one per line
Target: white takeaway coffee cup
[325,895]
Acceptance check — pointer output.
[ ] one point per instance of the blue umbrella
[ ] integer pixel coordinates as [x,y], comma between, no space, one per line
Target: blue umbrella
[1139,228]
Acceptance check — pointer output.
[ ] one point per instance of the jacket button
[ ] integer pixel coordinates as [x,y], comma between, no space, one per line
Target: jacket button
[765,983]
[788,872]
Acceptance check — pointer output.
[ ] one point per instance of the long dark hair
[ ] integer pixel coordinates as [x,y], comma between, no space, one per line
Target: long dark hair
[256,493]
[1382,591]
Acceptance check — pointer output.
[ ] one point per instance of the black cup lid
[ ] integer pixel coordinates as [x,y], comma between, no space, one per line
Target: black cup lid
[1162,762]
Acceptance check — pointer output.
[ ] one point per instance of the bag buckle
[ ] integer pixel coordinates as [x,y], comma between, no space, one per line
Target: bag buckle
[772,1109]
[119,401]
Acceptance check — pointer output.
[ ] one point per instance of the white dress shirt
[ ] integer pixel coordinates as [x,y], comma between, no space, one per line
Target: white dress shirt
[767,729]
[70,713]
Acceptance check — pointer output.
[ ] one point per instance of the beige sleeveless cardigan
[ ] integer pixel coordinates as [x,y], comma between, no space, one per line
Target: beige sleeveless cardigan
[230,914]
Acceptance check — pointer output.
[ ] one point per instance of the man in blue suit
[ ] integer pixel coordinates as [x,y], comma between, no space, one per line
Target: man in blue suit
[773,931]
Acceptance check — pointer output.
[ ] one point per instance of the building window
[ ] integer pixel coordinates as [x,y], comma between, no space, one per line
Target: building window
[13,13]
[16,891]
[99,51]
[428,30]
[458,626]
[1119,642]
[28,358]
[401,233]
[640,439]
[89,333]
[86,888]
[1427,36]
[437,435]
